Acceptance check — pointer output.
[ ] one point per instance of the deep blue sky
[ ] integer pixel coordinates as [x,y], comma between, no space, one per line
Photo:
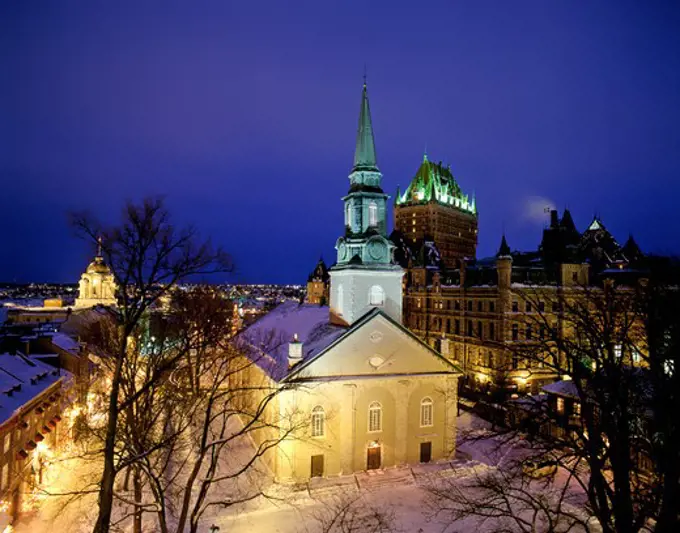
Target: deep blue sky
[244,114]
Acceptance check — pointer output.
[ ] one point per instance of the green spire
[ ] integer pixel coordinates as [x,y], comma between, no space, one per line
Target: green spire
[364,154]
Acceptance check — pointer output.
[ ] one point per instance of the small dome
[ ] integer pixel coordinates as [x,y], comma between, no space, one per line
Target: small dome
[98,266]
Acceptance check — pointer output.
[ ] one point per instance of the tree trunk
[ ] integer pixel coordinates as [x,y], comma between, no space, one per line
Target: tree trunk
[109,475]
[137,519]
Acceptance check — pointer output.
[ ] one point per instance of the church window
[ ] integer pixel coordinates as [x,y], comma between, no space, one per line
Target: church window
[376,295]
[318,422]
[515,332]
[492,331]
[529,332]
[375,417]
[372,214]
[457,330]
[515,306]
[348,214]
[426,412]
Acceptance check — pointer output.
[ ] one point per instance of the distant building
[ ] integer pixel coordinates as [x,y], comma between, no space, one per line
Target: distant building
[477,312]
[434,209]
[369,394]
[32,399]
[97,286]
[318,284]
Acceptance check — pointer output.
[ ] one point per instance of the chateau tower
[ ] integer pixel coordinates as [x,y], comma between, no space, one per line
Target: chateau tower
[97,286]
[365,275]
[435,208]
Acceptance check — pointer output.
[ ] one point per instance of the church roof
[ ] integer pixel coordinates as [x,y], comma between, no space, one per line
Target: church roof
[434,182]
[266,341]
[364,153]
[269,336]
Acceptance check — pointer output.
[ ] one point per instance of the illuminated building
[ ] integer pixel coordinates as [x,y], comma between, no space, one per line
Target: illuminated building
[97,286]
[31,403]
[484,308]
[318,284]
[434,208]
[364,391]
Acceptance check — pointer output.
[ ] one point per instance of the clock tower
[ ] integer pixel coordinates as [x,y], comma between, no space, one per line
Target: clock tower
[365,275]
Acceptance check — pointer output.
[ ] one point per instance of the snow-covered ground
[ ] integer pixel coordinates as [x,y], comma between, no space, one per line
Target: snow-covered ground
[395,496]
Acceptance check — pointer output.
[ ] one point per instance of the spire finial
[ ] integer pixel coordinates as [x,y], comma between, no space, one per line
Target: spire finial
[99,246]
[365,70]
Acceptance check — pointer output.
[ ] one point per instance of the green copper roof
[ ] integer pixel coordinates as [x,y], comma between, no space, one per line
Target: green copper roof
[435,183]
[364,154]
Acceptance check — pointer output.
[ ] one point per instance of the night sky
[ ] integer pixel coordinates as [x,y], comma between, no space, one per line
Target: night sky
[244,115]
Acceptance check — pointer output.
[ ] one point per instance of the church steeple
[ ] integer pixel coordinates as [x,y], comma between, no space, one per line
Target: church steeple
[364,153]
[365,274]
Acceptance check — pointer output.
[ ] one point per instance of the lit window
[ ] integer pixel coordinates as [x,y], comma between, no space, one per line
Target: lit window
[618,350]
[426,412]
[577,408]
[669,367]
[375,417]
[372,214]
[318,422]
[560,405]
[376,295]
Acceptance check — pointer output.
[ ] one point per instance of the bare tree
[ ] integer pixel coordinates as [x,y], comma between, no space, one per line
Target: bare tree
[608,431]
[148,257]
[186,440]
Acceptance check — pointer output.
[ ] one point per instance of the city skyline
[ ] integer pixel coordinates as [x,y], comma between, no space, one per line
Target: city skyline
[546,106]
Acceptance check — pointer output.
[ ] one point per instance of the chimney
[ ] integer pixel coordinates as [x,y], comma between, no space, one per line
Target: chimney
[444,347]
[294,351]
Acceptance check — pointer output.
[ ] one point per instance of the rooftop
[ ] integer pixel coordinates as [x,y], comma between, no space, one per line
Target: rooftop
[23,378]
[271,334]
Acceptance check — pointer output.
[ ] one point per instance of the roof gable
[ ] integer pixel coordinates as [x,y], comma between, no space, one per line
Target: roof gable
[375,345]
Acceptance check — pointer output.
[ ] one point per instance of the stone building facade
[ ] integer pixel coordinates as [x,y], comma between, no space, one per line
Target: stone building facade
[484,313]
[97,285]
[434,208]
[318,284]
[32,398]
[360,390]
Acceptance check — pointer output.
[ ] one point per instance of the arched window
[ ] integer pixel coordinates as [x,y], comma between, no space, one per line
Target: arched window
[348,214]
[375,417]
[372,214]
[426,412]
[318,422]
[376,296]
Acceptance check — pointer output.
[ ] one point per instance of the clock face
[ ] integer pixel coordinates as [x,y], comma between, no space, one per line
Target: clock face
[342,251]
[377,249]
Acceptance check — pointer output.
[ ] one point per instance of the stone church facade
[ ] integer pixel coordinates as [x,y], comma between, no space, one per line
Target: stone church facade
[358,389]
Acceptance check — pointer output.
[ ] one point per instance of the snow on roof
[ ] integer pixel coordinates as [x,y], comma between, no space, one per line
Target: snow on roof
[65,342]
[563,388]
[273,332]
[21,380]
